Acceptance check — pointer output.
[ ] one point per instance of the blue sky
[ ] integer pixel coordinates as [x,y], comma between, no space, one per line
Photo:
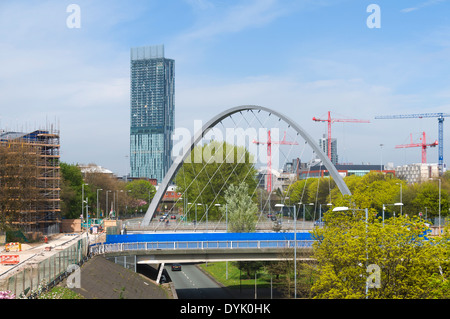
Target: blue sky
[303,58]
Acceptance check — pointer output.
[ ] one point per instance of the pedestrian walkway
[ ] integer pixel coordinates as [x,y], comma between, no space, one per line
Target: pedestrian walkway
[35,252]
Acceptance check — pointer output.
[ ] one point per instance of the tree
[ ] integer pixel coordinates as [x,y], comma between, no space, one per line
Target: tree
[71,181]
[242,210]
[204,176]
[118,197]
[428,196]
[141,189]
[19,191]
[141,192]
[348,247]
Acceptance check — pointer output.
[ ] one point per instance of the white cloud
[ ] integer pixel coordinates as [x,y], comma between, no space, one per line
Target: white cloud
[422,5]
[215,21]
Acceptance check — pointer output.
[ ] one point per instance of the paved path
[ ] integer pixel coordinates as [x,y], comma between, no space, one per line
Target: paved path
[36,252]
[103,279]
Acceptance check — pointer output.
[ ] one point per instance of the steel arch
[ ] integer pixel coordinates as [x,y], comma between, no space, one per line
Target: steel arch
[210,124]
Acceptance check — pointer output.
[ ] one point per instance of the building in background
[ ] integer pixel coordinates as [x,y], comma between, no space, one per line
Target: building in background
[323,144]
[344,170]
[417,173]
[30,180]
[152,112]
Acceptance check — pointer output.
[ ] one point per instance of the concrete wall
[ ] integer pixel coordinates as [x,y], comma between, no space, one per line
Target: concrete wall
[71,225]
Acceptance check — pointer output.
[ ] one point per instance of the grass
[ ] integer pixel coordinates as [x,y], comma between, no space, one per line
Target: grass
[58,292]
[235,277]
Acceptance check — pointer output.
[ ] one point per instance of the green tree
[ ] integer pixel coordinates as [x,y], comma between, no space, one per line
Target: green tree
[204,176]
[242,210]
[19,191]
[346,247]
[141,189]
[141,192]
[428,196]
[71,181]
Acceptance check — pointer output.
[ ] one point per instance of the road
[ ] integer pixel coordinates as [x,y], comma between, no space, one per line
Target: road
[192,283]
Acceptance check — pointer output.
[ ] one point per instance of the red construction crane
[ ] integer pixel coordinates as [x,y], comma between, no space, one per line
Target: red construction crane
[424,146]
[330,121]
[269,155]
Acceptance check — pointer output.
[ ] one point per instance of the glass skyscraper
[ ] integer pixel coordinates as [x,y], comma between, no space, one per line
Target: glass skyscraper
[152,112]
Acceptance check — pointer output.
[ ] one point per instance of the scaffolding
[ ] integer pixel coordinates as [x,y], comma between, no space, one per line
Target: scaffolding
[43,214]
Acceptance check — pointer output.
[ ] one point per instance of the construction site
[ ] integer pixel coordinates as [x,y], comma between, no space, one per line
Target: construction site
[30,182]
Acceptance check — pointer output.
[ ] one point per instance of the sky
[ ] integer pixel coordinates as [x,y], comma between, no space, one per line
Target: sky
[68,67]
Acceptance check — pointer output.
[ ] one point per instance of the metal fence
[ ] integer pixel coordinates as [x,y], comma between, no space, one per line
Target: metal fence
[173,245]
[46,272]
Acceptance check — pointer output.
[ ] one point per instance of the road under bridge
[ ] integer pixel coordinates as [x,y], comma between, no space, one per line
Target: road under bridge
[160,249]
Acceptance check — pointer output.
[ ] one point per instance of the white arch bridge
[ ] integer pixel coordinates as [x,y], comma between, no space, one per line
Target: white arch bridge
[251,116]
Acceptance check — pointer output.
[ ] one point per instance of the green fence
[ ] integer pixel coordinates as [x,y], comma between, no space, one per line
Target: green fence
[46,272]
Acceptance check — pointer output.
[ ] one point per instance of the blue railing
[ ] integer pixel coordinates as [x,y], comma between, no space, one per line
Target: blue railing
[206,237]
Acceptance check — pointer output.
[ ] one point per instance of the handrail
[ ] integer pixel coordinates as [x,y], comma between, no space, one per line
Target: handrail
[104,248]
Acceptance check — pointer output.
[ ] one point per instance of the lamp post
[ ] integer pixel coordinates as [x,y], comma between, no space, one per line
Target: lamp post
[118,202]
[395,204]
[206,205]
[106,211]
[304,211]
[439,205]
[401,194]
[82,199]
[198,204]
[226,215]
[226,226]
[185,216]
[87,214]
[98,189]
[295,247]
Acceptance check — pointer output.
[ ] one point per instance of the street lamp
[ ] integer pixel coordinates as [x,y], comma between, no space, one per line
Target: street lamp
[226,225]
[98,189]
[106,211]
[188,208]
[118,202]
[439,204]
[82,199]
[295,247]
[395,204]
[226,214]
[304,213]
[198,204]
[401,193]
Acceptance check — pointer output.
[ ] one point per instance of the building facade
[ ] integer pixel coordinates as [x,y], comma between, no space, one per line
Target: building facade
[323,144]
[417,173]
[152,112]
[343,169]
[30,180]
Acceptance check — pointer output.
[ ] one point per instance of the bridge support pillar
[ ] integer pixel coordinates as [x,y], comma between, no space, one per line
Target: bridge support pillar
[161,268]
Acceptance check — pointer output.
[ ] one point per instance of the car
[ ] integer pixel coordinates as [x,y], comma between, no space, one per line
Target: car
[319,223]
[173,217]
[161,219]
[176,267]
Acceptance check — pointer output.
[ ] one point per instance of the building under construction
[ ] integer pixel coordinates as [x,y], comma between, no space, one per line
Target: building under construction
[30,181]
